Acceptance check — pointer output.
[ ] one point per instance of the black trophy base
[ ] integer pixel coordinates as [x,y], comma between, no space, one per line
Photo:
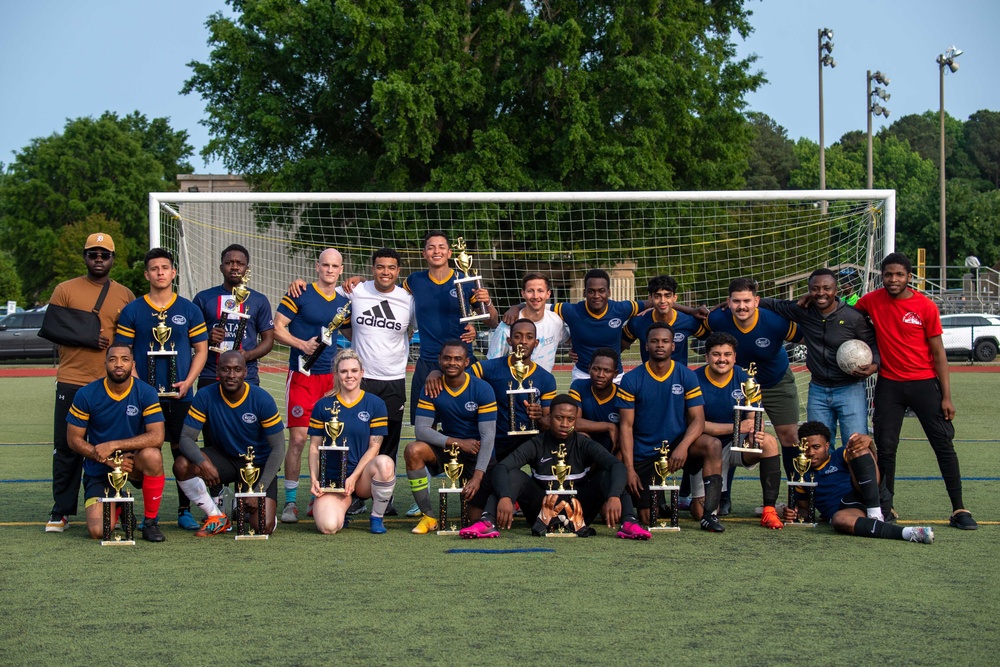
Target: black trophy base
[451,527]
[245,530]
[112,538]
[810,519]
[669,523]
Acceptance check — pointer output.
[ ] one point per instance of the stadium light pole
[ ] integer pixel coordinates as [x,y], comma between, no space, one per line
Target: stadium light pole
[946,59]
[877,109]
[825,45]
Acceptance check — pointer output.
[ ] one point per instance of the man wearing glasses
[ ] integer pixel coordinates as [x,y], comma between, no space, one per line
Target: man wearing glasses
[81,364]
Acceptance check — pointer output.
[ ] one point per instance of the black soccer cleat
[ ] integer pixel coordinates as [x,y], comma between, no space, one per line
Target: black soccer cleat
[962,519]
[151,531]
[711,523]
[725,506]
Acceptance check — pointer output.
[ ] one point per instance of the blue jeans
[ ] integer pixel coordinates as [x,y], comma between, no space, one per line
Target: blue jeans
[847,406]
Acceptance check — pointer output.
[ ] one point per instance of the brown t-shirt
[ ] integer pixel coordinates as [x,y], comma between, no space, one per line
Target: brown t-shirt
[83,365]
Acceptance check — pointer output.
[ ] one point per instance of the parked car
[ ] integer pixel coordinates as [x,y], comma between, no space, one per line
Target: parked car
[971,335]
[19,337]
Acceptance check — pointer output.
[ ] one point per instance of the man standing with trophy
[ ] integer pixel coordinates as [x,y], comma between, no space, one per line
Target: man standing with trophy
[663,296]
[300,323]
[598,415]
[466,410]
[241,416]
[160,319]
[559,455]
[218,306]
[722,382]
[662,402]
[119,414]
[851,494]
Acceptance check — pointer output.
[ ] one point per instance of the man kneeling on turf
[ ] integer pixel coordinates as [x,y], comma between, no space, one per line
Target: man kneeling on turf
[598,477]
[240,415]
[851,493]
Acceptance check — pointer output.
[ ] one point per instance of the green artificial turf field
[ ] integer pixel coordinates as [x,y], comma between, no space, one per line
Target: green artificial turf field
[747,597]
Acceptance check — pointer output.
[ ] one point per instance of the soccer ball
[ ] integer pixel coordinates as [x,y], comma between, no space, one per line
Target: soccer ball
[853,355]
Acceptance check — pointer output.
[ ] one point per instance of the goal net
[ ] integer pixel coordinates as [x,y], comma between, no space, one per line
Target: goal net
[702,239]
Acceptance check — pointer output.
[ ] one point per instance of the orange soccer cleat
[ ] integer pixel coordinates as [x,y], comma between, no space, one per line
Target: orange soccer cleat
[770,519]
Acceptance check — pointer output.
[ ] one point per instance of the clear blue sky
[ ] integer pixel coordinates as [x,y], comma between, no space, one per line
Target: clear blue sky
[67,59]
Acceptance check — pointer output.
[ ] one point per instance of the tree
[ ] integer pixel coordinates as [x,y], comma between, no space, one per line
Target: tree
[772,154]
[489,95]
[10,283]
[982,142]
[105,166]
[923,132]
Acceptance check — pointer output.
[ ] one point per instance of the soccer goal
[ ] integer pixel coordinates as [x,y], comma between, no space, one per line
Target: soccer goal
[703,239]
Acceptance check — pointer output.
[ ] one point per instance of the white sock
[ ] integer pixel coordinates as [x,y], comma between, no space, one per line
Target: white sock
[875,513]
[907,533]
[381,494]
[196,490]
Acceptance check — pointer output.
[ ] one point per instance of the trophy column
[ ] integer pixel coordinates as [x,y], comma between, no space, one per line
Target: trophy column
[161,333]
[560,508]
[245,530]
[666,485]
[519,371]
[125,504]
[333,427]
[463,261]
[750,404]
[453,471]
[240,294]
[802,464]
[325,340]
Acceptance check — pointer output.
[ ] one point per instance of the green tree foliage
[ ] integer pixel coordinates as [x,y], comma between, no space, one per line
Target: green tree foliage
[491,95]
[67,260]
[982,142]
[103,166]
[772,155]
[10,282]
[923,133]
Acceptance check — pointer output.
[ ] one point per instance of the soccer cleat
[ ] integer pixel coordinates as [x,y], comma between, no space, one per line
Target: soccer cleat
[481,529]
[711,523]
[684,504]
[57,524]
[893,516]
[631,530]
[151,530]
[218,523]
[357,507]
[963,520]
[922,534]
[725,506]
[290,514]
[186,521]
[414,511]
[770,519]
[309,510]
[390,510]
[517,510]
[376,526]
[426,525]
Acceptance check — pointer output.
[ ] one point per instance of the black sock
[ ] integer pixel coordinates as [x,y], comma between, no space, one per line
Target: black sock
[770,479]
[868,527]
[864,471]
[685,489]
[713,493]
[788,455]
[730,474]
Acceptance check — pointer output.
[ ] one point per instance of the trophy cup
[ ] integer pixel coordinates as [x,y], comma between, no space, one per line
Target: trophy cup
[161,334]
[662,468]
[520,370]
[479,311]
[333,427]
[802,464]
[564,512]
[240,294]
[326,339]
[750,403]
[117,478]
[249,474]
[453,471]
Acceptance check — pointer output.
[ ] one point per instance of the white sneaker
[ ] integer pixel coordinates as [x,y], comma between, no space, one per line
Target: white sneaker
[57,524]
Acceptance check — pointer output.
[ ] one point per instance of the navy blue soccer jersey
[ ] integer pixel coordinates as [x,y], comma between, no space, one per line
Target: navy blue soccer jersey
[592,331]
[236,426]
[684,327]
[309,314]
[187,327]
[834,478]
[660,404]
[364,418]
[497,373]
[212,302]
[761,342]
[595,409]
[460,412]
[108,417]
[437,310]
[721,397]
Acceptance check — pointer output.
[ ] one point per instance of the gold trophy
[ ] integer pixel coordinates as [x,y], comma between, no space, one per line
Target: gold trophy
[750,403]
[161,334]
[333,427]
[662,468]
[117,478]
[463,261]
[520,371]
[326,339]
[802,465]
[250,475]
[560,509]
[453,471]
[235,308]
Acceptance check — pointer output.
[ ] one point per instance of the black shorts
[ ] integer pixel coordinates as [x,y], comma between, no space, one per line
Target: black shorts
[645,470]
[504,445]
[392,392]
[469,463]
[229,470]
[174,414]
[852,500]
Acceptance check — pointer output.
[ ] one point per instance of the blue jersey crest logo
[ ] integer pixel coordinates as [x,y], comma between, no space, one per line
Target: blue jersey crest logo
[131,411]
[613,417]
[179,320]
[364,416]
[249,418]
[677,389]
[615,323]
[763,342]
[471,406]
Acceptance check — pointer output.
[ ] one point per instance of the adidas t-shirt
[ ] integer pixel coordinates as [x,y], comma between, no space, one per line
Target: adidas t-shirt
[380,321]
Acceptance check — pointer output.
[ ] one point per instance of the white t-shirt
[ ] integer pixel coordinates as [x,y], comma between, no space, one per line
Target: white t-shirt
[550,332]
[380,322]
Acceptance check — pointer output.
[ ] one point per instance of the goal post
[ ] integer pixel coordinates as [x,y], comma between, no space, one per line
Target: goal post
[703,239]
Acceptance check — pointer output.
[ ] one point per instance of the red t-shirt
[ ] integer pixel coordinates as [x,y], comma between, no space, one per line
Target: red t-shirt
[902,328]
